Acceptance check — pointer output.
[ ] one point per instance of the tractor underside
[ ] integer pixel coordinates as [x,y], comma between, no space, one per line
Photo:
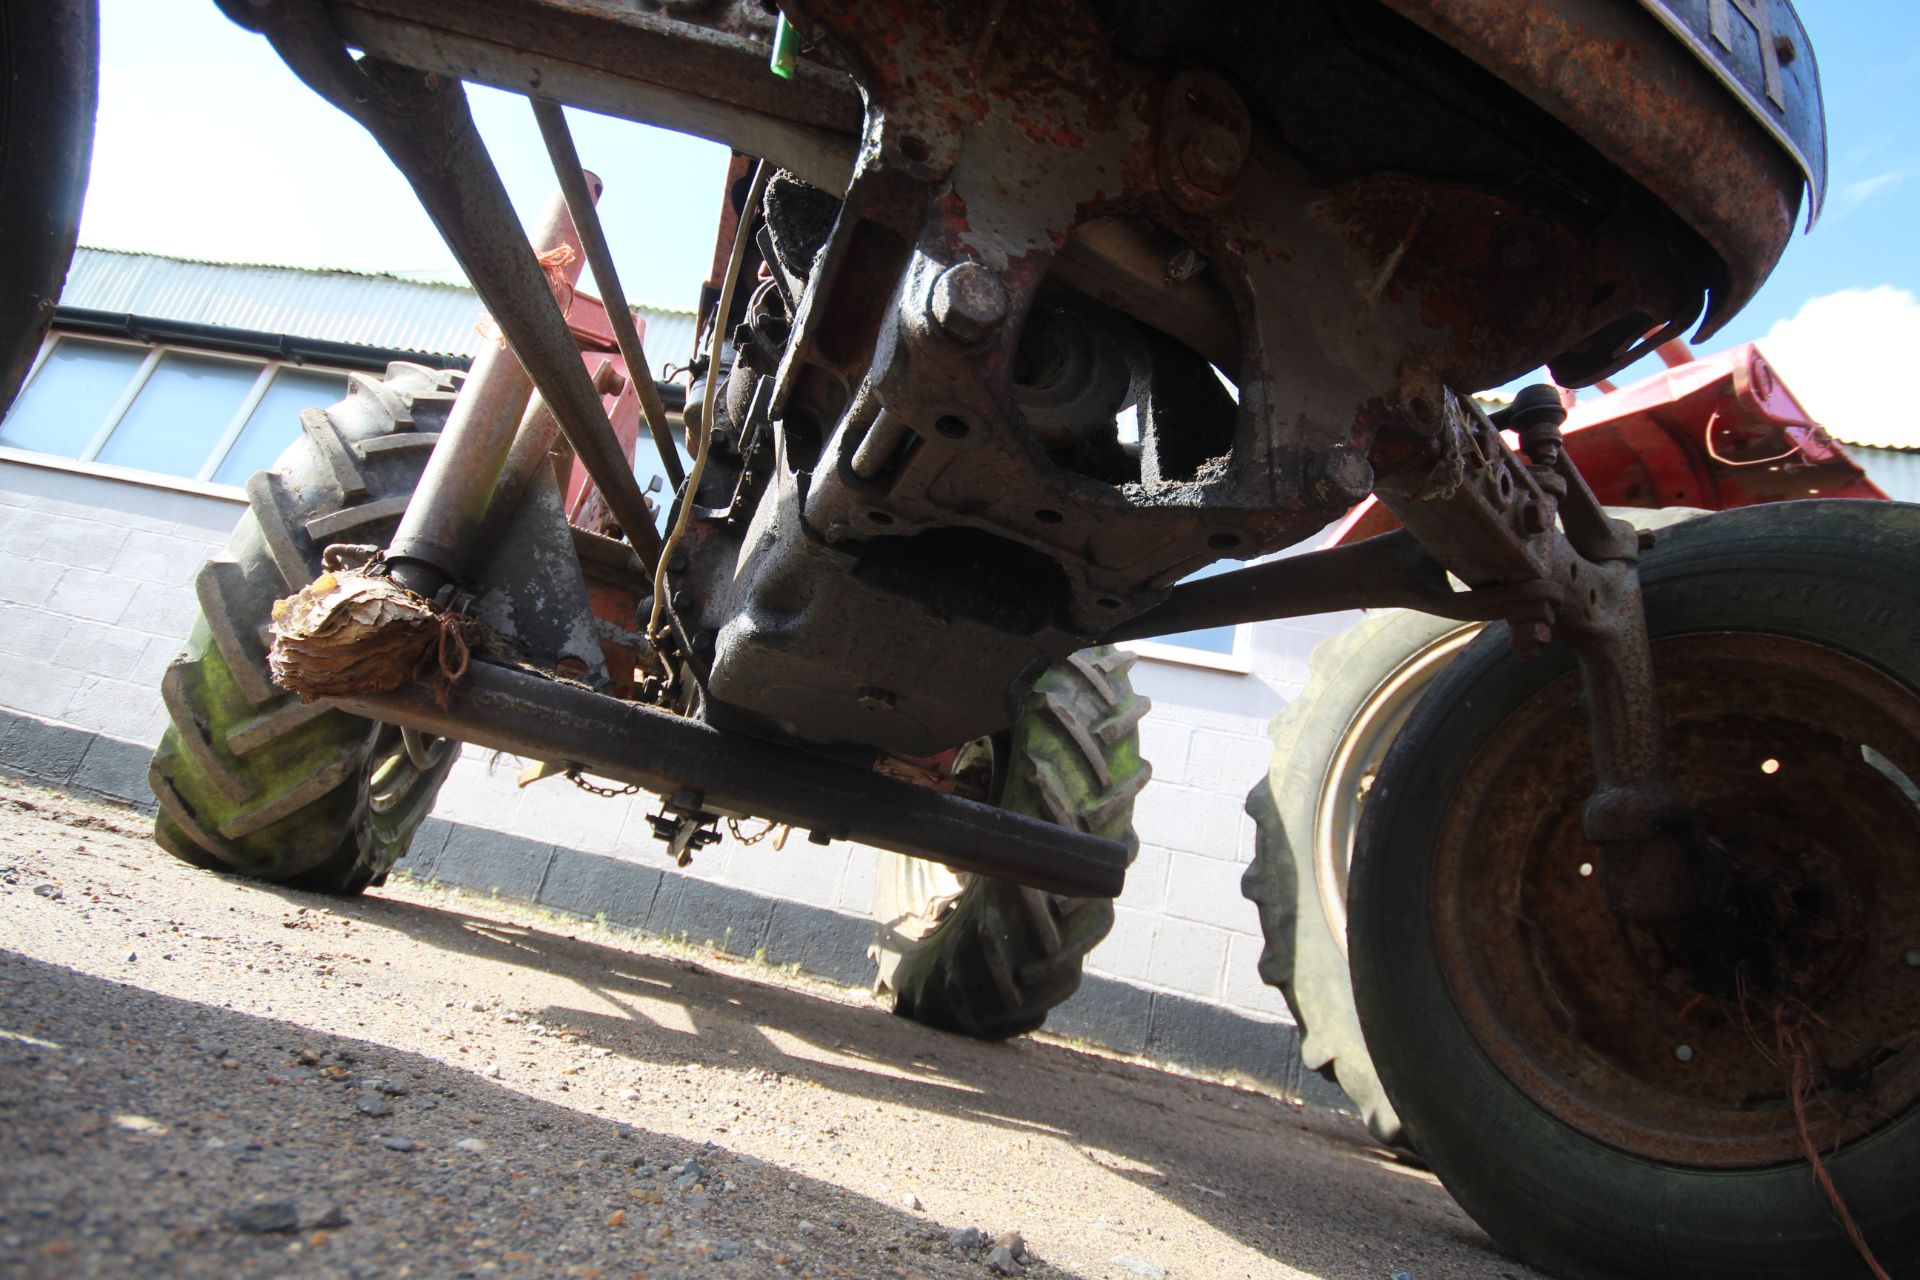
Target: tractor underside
[1027,313]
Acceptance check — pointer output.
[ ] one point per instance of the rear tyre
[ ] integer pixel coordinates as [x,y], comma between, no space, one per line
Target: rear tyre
[1609,1100]
[50,61]
[984,957]
[1327,747]
[248,778]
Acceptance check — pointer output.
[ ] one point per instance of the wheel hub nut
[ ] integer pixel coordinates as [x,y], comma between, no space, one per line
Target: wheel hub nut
[969,302]
[1684,1052]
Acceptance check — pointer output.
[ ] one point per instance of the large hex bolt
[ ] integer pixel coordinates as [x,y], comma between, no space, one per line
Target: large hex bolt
[1339,477]
[1212,158]
[969,302]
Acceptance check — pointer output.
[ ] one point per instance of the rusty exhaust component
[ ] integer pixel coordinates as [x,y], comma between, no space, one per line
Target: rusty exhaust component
[450,505]
[734,775]
[580,198]
[421,121]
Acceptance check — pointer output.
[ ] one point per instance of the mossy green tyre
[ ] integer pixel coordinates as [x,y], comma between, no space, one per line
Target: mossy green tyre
[249,780]
[991,959]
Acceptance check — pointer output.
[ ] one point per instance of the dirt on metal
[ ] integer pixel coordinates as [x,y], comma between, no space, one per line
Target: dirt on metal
[205,1076]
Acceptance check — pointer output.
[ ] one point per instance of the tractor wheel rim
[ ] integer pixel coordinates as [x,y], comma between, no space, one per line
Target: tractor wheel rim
[1355,762]
[1799,761]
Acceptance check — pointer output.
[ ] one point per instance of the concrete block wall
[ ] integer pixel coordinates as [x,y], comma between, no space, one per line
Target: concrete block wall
[96,597]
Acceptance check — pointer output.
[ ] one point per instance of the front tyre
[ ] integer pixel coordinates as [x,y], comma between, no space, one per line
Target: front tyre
[1610,1100]
[986,957]
[250,779]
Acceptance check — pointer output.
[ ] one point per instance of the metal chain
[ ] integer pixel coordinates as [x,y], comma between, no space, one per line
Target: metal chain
[733,825]
[573,776]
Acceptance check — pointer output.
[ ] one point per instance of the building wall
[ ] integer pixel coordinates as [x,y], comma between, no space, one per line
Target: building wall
[96,597]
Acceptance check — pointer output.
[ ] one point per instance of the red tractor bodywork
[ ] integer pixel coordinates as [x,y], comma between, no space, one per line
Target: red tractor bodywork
[1716,432]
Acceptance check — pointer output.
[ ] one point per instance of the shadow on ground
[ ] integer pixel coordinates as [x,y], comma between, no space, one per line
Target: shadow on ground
[147,1135]
[1255,1168]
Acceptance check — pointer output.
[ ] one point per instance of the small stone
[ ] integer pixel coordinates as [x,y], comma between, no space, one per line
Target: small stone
[51,892]
[912,1202]
[265,1219]
[478,1006]
[969,1239]
[472,1144]
[618,1218]
[132,956]
[1138,1266]
[491,1071]
[1000,1261]
[1403,1275]
[397,1144]
[307,1057]
[1013,1242]
[373,1104]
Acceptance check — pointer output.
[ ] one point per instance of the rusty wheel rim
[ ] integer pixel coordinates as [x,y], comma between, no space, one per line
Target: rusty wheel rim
[1800,760]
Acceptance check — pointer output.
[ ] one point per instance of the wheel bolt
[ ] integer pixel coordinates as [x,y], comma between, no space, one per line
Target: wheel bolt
[1684,1052]
[1913,958]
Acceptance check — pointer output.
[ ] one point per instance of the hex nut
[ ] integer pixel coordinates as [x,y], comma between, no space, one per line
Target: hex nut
[969,302]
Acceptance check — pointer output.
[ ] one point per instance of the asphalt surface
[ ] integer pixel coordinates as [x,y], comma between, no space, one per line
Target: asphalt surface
[203,1076]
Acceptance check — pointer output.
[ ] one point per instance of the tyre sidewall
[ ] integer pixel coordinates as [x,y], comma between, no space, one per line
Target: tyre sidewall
[1837,573]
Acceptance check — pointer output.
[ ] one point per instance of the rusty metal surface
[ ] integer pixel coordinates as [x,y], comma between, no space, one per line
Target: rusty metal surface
[1614,73]
[699,71]
[1391,571]
[1664,1044]
[512,711]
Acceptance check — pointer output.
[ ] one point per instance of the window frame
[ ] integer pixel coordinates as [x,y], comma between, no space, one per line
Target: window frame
[201,480]
[1238,661]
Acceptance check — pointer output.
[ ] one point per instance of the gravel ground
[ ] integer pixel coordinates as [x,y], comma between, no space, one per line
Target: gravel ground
[202,1076]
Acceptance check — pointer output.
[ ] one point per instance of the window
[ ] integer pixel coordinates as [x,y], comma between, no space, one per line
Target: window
[1222,648]
[191,414]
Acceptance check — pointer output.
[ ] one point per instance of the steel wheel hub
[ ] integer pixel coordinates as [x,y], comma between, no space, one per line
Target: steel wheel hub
[1681,1044]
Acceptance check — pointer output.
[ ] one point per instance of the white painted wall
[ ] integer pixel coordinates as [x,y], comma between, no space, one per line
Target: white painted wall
[96,597]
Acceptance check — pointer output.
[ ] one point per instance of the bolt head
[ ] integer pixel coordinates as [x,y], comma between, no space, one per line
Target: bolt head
[1684,1052]
[1913,958]
[1212,158]
[969,302]
[1340,477]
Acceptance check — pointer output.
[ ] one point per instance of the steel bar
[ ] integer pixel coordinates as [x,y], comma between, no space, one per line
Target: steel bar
[586,220]
[509,710]
[1387,572]
[421,121]
[438,532]
[669,66]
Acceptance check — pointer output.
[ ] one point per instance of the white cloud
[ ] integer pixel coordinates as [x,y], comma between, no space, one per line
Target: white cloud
[1854,194]
[1839,354]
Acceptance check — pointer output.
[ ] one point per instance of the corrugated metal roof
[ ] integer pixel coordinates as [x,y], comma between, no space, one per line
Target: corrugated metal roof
[1887,433]
[338,306]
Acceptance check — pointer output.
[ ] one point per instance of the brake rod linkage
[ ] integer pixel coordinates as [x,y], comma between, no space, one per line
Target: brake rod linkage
[421,121]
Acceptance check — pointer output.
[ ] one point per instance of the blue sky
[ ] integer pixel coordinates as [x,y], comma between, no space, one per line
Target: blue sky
[207,146]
